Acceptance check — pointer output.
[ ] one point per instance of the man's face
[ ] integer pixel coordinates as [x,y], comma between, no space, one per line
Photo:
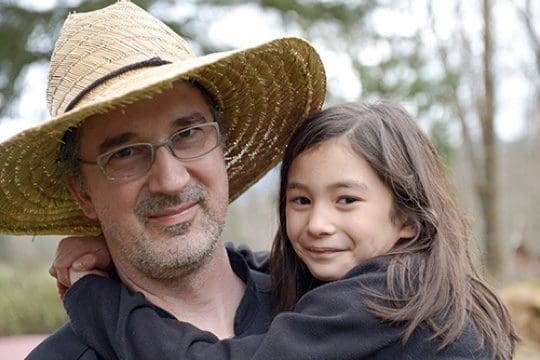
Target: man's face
[166,222]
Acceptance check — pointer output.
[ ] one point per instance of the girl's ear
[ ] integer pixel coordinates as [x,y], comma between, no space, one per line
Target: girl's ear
[408,229]
[83,198]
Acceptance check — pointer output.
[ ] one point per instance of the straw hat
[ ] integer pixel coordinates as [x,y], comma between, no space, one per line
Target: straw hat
[120,54]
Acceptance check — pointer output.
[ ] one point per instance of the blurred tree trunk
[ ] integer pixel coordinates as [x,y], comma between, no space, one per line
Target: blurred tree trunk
[487,190]
[530,151]
[526,14]
[482,155]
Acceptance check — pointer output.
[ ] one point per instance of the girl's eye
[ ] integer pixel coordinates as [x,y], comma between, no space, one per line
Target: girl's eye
[347,200]
[300,200]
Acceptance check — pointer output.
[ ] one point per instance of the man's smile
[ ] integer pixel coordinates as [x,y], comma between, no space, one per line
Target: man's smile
[173,216]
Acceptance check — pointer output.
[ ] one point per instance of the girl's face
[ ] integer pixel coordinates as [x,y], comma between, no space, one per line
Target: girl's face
[338,210]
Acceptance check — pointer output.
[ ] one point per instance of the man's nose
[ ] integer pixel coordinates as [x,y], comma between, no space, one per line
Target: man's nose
[168,175]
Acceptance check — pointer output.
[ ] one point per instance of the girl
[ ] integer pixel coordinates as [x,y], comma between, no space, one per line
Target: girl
[371,260]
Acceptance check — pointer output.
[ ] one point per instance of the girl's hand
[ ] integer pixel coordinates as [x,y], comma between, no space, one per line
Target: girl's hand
[81,255]
[75,276]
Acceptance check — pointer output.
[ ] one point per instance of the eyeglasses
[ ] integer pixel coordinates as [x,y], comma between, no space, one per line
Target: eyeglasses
[133,160]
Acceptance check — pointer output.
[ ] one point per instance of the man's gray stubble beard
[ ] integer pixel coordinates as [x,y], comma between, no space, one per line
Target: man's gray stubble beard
[176,261]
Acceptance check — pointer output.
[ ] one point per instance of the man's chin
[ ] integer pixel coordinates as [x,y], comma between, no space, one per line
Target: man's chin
[180,229]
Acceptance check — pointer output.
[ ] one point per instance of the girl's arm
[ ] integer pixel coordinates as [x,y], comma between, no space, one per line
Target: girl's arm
[83,254]
[330,322]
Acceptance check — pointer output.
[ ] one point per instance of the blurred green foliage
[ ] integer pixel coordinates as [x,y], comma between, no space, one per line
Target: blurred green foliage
[28,301]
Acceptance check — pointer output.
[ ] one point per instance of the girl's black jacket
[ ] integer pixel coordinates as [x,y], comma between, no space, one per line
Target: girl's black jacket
[330,322]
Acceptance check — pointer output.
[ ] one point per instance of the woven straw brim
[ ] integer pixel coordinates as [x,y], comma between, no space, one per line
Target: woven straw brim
[264,93]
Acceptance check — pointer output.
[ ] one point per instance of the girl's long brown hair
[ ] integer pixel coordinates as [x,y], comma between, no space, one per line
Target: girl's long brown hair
[432,276]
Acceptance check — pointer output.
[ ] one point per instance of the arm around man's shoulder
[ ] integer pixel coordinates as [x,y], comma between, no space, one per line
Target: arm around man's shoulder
[63,344]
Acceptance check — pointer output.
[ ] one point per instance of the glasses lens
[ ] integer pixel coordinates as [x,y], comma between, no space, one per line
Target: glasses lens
[134,160]
[195,141]
[127,161]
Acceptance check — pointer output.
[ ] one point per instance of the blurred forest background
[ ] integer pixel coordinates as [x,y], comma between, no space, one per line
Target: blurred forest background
[469,70]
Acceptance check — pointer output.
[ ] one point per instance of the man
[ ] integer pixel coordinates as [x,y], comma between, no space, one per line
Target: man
[147,145]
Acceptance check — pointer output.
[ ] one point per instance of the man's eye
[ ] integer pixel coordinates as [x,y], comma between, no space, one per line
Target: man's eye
[127,153]
[123,153]
[187,133]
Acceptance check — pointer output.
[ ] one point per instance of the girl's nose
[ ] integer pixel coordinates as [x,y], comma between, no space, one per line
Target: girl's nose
[320,223]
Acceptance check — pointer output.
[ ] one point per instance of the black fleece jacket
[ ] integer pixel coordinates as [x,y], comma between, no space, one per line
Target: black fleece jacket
[253,315]
[329,322]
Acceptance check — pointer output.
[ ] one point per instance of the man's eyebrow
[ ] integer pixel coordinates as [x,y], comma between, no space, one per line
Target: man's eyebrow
[115,141]
[189,120]
[183,121]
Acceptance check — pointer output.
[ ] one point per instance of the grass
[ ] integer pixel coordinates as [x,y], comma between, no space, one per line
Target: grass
[28,301]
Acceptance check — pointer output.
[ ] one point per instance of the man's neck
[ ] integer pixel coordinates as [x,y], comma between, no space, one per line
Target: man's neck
[207,298]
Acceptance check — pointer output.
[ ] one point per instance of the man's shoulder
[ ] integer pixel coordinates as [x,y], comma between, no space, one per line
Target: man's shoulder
[256,260]
[63,344]
[250,267]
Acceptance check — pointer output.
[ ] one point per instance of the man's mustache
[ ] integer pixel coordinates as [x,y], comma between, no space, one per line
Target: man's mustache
[149,206]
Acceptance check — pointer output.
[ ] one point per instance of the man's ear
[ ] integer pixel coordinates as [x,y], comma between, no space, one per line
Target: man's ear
[83,198]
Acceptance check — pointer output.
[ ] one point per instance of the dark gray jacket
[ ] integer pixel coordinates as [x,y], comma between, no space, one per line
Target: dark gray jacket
[331,321]
[253,316]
